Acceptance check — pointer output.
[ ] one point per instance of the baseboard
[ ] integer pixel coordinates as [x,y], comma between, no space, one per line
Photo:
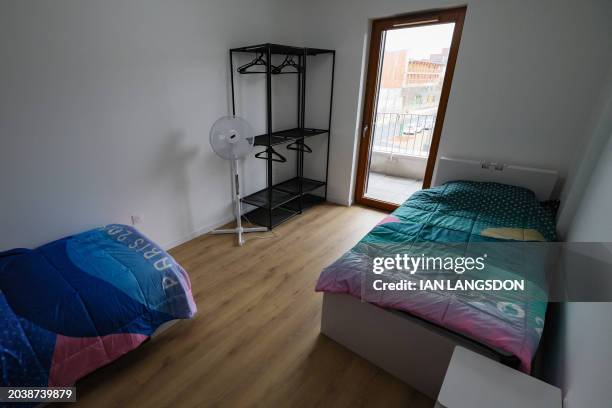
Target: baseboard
[197,232]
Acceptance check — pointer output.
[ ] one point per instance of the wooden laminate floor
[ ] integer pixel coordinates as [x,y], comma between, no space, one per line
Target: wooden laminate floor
[255,340]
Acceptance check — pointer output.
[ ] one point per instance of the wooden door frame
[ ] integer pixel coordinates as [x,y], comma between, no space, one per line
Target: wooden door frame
[454,15]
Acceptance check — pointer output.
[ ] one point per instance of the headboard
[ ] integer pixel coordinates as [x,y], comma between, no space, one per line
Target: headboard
[540,181]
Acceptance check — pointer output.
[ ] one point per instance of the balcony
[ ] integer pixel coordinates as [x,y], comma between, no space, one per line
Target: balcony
[400,148]
[403,133]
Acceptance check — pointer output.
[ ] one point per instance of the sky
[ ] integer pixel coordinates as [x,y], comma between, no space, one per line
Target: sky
[420,41]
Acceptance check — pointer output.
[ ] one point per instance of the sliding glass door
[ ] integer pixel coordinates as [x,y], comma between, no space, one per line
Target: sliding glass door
[409,77]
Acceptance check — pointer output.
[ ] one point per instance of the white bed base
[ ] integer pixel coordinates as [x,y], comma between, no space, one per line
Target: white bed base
[541,181]
[410,349]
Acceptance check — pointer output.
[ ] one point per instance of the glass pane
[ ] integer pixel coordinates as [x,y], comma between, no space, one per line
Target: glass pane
[410,77]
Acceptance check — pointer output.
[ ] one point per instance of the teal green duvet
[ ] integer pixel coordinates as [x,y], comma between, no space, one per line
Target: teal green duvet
[504,224]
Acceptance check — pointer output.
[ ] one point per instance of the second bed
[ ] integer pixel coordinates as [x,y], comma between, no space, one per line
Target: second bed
[462,214]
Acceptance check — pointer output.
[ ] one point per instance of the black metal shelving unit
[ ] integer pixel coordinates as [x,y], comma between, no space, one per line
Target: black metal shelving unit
[281,201]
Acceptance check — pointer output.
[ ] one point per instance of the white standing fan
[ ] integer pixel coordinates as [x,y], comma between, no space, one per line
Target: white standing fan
[231,137]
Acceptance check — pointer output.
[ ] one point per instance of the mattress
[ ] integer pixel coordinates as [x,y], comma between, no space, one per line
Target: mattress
[458,218]
[78,303]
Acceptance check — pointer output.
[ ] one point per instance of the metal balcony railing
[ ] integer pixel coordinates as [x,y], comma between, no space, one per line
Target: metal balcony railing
[403,133]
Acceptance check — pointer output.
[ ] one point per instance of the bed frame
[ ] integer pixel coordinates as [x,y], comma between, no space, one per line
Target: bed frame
[414,350]
[541,181]
[411,349]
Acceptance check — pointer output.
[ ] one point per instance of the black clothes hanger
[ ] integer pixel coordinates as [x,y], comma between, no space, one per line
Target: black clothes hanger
[299,147]
[271,154]
[287,62]
[258,61]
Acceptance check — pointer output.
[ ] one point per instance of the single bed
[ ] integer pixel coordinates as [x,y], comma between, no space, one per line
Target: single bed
[79,303]
[413,336]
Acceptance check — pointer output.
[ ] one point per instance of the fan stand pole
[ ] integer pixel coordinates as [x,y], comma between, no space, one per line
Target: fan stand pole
[237,210]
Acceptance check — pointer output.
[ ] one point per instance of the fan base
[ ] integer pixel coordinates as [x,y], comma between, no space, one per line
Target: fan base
[239,231]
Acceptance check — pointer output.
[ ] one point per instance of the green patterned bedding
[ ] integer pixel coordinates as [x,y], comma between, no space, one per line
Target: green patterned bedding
[458,218]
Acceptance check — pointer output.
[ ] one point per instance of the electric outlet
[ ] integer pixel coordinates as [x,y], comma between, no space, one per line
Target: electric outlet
[136,219]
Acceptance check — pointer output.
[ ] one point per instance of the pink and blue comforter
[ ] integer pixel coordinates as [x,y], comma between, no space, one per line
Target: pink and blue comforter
[76,304]
[462,216]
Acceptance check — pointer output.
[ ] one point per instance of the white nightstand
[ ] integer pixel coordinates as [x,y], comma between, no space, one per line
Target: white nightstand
[475,381]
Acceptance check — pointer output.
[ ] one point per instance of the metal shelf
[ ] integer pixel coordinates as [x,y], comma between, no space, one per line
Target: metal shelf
[262,198]
[286,136]
[283,49]
[278,203]
[292,186]
[282,193]
[261,216]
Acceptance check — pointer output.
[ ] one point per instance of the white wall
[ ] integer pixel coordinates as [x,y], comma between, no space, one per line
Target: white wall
[592,221]
[586,159]
[582,358]
[525,81]
[579,356]
[105,108]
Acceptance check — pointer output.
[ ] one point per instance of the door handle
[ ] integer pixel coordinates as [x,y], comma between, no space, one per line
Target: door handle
[364,132]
